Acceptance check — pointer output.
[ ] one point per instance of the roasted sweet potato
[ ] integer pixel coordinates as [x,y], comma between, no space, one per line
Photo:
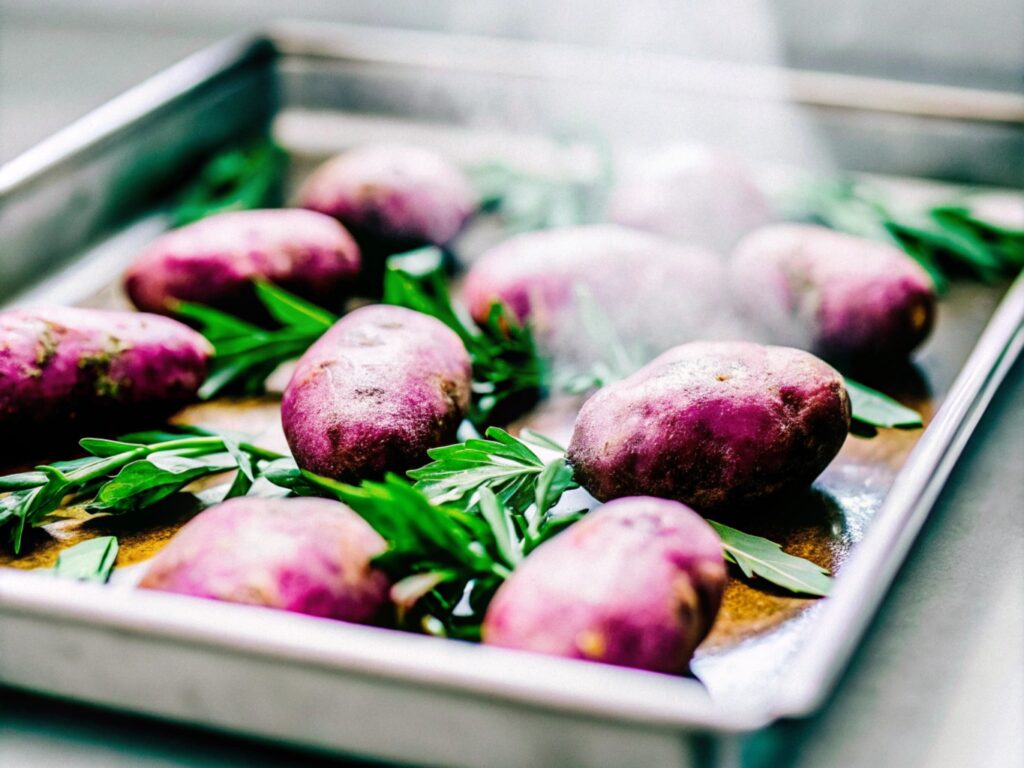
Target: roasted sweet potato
[379,389]
[637,583]
[653,293]
[712,424]
[847,299]
[215,260]
[309,556]
[67,367]
[693,195]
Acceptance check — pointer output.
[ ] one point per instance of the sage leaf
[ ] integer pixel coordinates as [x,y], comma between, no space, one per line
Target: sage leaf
[757,556]
[91,560]
[871,407]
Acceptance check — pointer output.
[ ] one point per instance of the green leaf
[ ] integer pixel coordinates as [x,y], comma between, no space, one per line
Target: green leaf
[238,179]
[292,311]
[20,481]
[552,526]
[555,480]
[245,354]
[757,556]
[527,201]
[91,560]
[217,326]
[459,471]
[527,435]
[106,448]
[505,535]
[147,481]
[246,475]
[871,407]
[126,475]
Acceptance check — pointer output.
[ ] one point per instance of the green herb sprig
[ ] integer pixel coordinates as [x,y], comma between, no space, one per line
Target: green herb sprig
[91,560]
[526,202]
[130,474]
[446,562]
[760,557]
[246,354]
[236,180]
[477,474]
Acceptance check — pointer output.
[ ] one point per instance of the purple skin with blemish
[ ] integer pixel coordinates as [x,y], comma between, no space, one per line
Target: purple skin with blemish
[215,260]
[392,192]
[374,393]
[712,424]
[309,556]
[653,292]
[848,299]
[636,583]
[72,365]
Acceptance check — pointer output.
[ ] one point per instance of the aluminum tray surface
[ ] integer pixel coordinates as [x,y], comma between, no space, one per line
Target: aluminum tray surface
[769,654]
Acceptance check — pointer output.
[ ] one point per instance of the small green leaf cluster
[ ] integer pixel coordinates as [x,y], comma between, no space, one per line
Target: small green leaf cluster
[120,476]
[237,180]
[247,354]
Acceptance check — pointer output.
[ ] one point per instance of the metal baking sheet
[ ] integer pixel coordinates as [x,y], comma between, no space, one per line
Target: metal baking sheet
[330,685]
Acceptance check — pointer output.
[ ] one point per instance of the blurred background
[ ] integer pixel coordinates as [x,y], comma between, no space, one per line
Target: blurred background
[60,58]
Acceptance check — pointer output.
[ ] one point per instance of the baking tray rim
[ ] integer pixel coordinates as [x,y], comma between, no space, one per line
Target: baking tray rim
[666,701]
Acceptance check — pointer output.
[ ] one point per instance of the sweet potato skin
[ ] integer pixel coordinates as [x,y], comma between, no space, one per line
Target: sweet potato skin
[844,298]
[712,424]
[654,293]
[636,583]
[84,366]
[308,556]
[692,195]
[379,389]
[215,260]
[398,194]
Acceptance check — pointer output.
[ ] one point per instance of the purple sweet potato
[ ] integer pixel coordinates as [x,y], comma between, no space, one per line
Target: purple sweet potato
[309,556]
[692,195]
[215,260]
[842,297]
[392,194]
[655,294]
[636,583]
[379,389]
[712,424]
[65,366]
